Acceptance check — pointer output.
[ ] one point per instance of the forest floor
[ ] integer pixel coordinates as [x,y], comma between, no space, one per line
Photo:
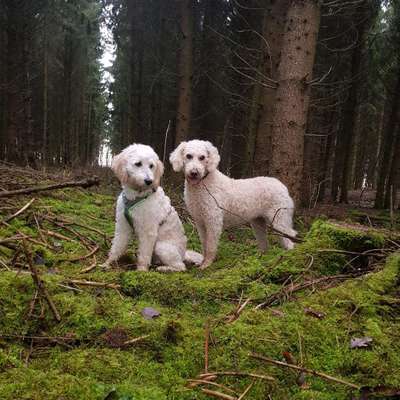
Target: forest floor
[331,305]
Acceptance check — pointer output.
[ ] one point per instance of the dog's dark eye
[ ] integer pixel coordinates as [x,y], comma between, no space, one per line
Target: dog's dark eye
[151,166]
[201,158]
[138,164]
[189,156]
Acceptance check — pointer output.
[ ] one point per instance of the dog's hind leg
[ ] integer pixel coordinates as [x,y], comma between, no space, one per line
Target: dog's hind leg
[259,226]
[283,222]
[170,257]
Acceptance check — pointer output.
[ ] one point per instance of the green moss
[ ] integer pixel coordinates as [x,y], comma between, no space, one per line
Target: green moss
[158,366]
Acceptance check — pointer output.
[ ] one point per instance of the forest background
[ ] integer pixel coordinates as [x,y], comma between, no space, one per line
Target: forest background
[304,90]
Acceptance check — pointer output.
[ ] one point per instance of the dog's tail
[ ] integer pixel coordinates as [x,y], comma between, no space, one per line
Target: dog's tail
[192,257]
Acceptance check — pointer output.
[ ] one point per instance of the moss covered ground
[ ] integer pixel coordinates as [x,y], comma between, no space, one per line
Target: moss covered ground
[84,355]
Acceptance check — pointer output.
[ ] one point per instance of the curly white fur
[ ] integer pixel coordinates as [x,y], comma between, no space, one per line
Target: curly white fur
[156,223]
[216,201]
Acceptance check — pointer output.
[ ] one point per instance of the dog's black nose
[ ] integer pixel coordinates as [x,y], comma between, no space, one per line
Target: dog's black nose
[148,182]
[194,174]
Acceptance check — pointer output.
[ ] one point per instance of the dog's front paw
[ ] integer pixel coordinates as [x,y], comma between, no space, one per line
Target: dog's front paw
[205,265]
[105,266]
[143,268]
[171,269]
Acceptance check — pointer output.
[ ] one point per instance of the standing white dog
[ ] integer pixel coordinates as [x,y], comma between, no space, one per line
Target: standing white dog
[144,208]
[216,201]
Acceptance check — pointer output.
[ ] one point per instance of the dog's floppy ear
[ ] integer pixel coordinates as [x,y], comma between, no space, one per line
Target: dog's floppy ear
[176,157]
[213,157]
[158,173]
[118,165]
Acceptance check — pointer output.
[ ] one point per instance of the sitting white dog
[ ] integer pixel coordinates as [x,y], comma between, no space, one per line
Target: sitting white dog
[144,208]
[216,201]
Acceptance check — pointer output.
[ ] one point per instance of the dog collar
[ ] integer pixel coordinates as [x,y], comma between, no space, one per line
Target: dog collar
[129,205]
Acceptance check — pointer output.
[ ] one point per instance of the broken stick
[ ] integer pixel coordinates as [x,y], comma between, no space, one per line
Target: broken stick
[40,284]
[306,370]
[85,183]
[26,206]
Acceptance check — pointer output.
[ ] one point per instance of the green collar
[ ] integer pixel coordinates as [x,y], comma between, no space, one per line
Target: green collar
[129,205]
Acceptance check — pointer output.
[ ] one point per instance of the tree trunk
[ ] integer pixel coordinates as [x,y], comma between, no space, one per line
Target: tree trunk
[350,114]
[45,93]
[394,174]
[292,96]
[273,27]
[185,72]
[387,145]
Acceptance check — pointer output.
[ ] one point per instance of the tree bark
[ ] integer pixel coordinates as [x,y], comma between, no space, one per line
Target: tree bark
[350,114]
[184,110]
[273,28]
[292,95]
[387,145]
[394,174]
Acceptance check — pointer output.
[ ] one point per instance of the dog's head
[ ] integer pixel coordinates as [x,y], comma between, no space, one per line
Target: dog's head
[138,167]
[196,158]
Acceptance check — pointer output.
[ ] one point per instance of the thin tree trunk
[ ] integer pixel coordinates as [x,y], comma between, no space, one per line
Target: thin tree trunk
[350,115]
[387,145]
[394,174]
[292,96]
[184,111]
[45,93]
[273,27]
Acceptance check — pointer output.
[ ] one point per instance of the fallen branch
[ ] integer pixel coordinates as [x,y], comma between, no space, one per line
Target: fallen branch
[25,207]
[90,267]
[247,390]
[306,370]
[236,313]
[134,340]
[93,181]
[45,338]
[59,236]
[287,290]
[95,284]
[81,257]
[206,343]
[234,373]
[62,222]
[218,395]
[196,382]
[40,284]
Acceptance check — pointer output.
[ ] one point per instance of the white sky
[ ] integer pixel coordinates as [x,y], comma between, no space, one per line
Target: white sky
[107,59]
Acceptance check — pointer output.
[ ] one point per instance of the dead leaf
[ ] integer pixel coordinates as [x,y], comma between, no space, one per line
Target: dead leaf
[314,313]
[301,381]
[289,358]
[277,313]
[357,343]
[150,313]
[377,392]
[116,337]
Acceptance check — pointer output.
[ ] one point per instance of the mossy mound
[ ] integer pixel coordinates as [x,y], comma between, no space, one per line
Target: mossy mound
[85,355]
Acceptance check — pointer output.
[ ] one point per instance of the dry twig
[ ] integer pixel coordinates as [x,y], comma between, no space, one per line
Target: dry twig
[302,369]
[83,183]
[218,395]
[237,373]
[20,211]
[288,289]
[247,390]
[134,340]
[232,317]
[40,284]
[196,382]
[95,284]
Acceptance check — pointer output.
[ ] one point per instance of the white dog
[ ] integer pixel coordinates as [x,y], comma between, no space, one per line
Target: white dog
[144,208]
[216,201]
